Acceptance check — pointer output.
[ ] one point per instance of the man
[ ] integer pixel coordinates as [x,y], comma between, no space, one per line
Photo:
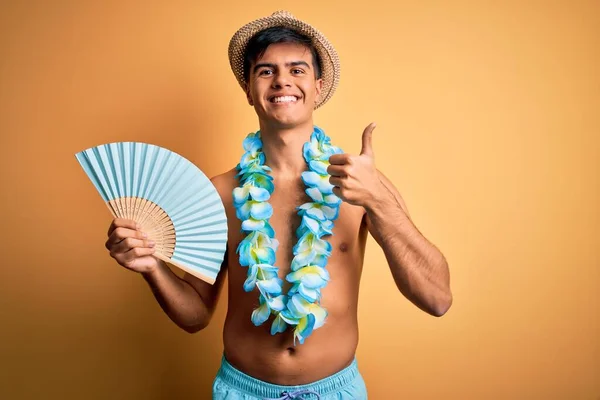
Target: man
[287,69]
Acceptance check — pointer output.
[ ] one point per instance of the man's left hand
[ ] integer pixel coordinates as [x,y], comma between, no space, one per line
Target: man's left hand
[355,178]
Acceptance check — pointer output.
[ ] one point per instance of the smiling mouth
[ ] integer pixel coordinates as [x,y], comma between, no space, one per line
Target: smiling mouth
[284,99]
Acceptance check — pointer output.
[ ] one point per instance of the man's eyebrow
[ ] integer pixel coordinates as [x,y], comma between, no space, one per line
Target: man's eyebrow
[263,65]
[296,63]
[270,65]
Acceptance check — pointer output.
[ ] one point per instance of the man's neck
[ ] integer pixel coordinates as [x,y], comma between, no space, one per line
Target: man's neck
[283,148]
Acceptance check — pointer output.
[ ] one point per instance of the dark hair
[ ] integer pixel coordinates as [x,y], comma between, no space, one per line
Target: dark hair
[257,45]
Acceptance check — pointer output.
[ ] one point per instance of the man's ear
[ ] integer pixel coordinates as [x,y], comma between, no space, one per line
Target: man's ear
[248,96]
[319,89]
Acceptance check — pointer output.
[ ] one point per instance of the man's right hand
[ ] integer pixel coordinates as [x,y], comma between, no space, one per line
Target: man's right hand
[129,247]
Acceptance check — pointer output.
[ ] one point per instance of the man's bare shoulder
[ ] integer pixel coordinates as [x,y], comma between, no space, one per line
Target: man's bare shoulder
[225,183]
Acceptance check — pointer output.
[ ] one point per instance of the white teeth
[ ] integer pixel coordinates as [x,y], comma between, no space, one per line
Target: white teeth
[284,99]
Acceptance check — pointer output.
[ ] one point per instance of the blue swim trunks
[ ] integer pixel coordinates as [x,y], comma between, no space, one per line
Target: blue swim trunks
[233,384]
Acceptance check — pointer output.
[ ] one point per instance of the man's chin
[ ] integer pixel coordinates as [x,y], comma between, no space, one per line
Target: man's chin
[286,121]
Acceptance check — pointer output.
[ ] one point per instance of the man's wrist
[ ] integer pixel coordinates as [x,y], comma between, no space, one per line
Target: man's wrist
[381,201]
[152,272]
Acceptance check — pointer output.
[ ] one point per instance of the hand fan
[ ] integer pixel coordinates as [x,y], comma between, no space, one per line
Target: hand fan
[168,196]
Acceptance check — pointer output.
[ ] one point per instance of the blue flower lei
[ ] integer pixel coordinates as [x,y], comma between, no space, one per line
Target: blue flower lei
[301,306]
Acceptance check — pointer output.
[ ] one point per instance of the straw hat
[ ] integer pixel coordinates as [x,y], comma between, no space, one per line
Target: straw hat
[330,63]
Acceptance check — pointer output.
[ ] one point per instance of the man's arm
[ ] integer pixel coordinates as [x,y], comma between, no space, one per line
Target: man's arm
[418,267]
[189,302]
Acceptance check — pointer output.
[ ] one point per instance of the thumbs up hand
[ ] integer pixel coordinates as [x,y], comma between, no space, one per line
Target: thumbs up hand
[355,178]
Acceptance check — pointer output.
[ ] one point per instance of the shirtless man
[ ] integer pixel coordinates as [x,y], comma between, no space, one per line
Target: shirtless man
[257,363]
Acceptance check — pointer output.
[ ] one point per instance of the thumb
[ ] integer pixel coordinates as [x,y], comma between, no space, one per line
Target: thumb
[367,140]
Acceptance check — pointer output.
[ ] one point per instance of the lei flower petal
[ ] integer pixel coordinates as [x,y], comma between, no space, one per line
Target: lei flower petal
[288,317]
[278,303]
[326,228]
[320,260]
[267,229]
[304,328]
[279,325]
[298,306]
[240,195]
[314,194]
[321,182]
[252,144]
[252,224]
[303,259]
[332,200]
[243,211]
[308,224]
[261,314]
[320,315]
[260,210]
[250,281]
[310,295]
[270,286]
[311,276]
[263,181]
[319,166]
[259,193]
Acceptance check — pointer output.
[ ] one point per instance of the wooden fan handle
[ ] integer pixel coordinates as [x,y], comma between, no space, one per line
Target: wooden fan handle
[154,221]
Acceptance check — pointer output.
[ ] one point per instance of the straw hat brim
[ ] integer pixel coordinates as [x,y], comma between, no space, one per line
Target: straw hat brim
[330,64]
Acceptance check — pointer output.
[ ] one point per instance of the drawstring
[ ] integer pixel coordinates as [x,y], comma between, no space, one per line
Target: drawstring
[295,395]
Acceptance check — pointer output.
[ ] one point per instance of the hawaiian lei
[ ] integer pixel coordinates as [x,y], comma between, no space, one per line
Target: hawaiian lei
[301,306]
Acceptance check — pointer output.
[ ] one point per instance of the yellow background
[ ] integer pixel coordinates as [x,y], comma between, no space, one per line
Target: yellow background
[488,123]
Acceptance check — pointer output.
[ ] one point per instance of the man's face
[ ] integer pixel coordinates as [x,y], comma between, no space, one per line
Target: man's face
[282,85]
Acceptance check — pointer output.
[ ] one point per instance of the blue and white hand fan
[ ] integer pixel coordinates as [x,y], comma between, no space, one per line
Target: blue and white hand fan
[168,196]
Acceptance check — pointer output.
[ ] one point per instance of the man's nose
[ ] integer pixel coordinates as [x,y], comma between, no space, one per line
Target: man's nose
[281,80]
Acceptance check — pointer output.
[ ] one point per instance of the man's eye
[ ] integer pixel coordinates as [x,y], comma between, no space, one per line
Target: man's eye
[265,72]
[297,71]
